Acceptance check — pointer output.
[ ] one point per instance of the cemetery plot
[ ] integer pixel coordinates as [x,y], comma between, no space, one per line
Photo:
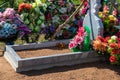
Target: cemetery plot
[42,62]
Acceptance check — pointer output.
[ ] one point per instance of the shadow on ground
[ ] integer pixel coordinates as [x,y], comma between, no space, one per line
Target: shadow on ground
[99,65]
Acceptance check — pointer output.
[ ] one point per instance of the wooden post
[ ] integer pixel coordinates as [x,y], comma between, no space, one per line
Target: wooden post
[92,20]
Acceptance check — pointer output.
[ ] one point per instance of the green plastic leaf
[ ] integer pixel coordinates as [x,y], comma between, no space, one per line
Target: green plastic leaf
[39,22]
[37,29]
[86,44]
[43,1]
[26,21]
[76,1]
[37,10]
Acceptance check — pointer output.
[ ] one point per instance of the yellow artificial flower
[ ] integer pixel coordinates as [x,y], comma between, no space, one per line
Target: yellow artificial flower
[100,13]
[111,17]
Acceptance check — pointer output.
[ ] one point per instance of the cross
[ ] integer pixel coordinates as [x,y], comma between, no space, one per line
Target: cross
[92,20]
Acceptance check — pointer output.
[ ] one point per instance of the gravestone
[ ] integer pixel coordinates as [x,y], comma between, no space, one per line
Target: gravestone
[92,20]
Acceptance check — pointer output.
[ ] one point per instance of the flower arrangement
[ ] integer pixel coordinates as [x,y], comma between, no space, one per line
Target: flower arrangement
[57,12]
[11,26]
[108,46]
[81,41]
[109,19]
[33,16]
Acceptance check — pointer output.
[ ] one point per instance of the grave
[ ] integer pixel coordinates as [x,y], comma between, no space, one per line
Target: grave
[42,62]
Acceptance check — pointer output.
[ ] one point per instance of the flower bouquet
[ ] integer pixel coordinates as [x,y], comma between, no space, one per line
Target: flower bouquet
[81,41]
[108,47]
[109,20]
[33,16]
[11,26]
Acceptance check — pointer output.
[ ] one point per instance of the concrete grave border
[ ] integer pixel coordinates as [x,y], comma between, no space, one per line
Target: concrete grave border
[43,62]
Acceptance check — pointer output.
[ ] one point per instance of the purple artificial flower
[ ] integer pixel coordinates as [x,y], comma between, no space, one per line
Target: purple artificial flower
[52,29]
[45,30]
[119,19]
[80,23]
[24,28]
[1,15]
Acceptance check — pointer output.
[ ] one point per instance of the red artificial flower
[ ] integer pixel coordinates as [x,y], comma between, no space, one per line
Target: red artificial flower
[112,59]
[113,45]
[28,6]
[119,45]
[100,38]
[77,15]
[64,17]
[107,38]
[114,51]
[48,16]
[24,6]
[66,34]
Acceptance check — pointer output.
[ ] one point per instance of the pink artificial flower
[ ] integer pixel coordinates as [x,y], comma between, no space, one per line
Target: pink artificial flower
[50,0]
[9,13]
[114,13]
[84,10]
[81,31]
[106,8]
[61,2]
[78,40]
[72,44]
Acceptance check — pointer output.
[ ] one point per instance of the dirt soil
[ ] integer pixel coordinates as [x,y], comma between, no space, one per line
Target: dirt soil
[43,52]
[88,71]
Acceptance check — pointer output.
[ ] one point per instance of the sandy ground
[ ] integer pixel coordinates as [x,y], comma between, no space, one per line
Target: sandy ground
[42,52]
[90,71]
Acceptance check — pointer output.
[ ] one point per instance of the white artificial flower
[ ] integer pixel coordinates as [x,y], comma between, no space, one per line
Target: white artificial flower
[67,26]
[55,19]
[63,10]
[43,25]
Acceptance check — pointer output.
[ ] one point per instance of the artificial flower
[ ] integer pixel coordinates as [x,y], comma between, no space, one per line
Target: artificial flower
[63,10]
[112,59]
[64,17]
[55,19]
[114,13]
[11,24]
[61,2]
[106,8]
[78,39]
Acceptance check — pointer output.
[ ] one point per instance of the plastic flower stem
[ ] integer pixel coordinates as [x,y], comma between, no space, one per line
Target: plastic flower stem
[62,25]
